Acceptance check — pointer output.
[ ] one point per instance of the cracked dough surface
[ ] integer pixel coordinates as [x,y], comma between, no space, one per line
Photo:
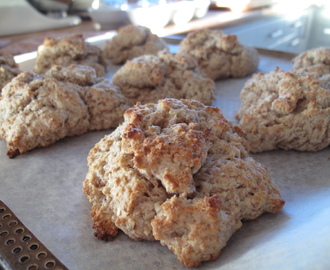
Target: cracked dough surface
[287,110]
[150,78]
[178,172]
[132,41]
[36,110]
[68,50]
[312,57]
[8,69]
[220,55]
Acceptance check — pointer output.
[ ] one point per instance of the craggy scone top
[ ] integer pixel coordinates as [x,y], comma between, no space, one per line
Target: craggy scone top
[149,78]
[68,50]
[287,110]
[312,57]
[132,41]
[220,55]
[178,172]
[38,110]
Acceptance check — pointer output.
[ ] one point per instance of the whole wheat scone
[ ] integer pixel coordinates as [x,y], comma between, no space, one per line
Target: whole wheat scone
[106,103]
[178,172]
[68,50]
[220,55]
[149,78]
[8,69]
[312,57]
[287,110]
[132,41]
[36,111]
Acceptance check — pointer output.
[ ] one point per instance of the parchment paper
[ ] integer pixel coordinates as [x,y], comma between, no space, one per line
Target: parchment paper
[44,189]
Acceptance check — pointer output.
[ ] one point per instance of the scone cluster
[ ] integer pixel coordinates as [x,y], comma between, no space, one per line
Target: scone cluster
[40,107]
[149,73]
[289,110]
[174,169]
[178,172]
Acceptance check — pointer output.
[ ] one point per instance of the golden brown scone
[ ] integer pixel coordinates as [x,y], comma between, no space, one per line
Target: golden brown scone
[150,78]
[312,57]
[178,172]
[36,111]
[132,41]
[287,110]
[8,69]
[69,50]
[194,229]
[220,55]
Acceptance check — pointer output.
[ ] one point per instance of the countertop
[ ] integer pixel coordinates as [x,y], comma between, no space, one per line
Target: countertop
[18,44]
[283,29]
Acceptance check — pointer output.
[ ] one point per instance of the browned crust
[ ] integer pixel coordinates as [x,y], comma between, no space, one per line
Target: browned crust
[178,172]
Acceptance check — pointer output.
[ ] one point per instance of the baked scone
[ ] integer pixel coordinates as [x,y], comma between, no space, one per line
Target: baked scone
[312,57]
[220,55]
[178,172]
[149,78]
[68,50]
[132,41]
[106,103]
[36,111]
[8,69]
[287,110]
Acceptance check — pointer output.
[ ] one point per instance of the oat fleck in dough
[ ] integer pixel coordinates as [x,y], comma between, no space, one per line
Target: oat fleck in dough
[8,69]
[220,55]
[150,78]
[36,111]
[67,50]
[312,57]
[287,110]
[132,41]
[178,172]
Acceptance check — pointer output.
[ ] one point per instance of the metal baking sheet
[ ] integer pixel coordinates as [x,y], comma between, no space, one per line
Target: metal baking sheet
[44,189]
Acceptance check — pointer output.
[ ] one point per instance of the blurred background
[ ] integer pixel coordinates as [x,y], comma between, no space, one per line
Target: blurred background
[283,25]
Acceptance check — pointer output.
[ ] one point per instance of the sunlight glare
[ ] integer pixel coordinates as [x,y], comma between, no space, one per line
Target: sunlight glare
[25,57]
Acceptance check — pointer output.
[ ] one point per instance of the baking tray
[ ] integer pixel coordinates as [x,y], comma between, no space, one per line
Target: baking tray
[44,189]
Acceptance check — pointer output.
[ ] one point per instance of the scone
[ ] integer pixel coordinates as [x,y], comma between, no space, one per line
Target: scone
[36,111]
[106,103]
[149,78]
[178,172]
[312,57]
[132,41]
[8,69]
[68,50]
[220,55]
[287,110]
